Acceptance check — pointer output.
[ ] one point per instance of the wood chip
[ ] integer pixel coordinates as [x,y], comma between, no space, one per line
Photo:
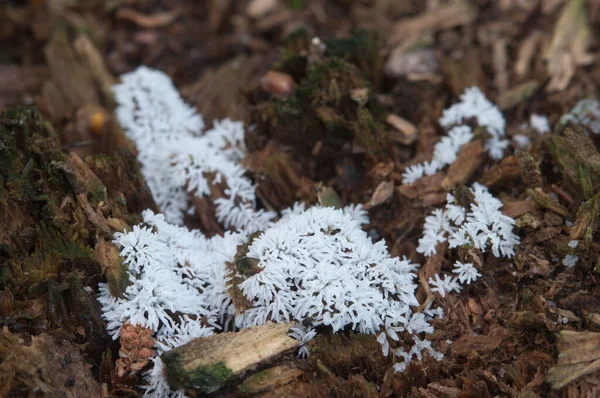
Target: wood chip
[404,131]
[547,202]
[260,8]
[270,379]
[423,186]
[519,207]
[450,15]
[579,355]
[467,162]
[517,94]
[500,58]
[529,170]
[157,20]
[404,63]
[527,52]
[501,173]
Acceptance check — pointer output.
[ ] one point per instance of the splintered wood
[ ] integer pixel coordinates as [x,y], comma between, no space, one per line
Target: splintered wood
[208,363]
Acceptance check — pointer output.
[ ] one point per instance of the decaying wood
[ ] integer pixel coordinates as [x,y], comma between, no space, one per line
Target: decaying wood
[46,366]
[546,201]
[404,131]
[467,162]
[208,363]
[501,173]
[455,13]
[579,356]
[270,379]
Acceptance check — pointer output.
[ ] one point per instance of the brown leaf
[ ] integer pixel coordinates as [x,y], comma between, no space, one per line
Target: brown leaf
[111,264]
[277,176]
[383,192]
[500,61]
[542,235]
[381,170]
[464,72]
[215,101]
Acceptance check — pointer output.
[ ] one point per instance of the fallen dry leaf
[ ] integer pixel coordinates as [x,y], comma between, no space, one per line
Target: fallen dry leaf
[382,193]
[527,52]
[568,48]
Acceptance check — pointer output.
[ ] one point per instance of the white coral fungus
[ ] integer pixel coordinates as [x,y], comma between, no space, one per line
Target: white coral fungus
[466,272]
[445,285]
[178,159]
[444,154]
[539,123]
[586,112]
[570,260]
[472,105]
[317,267]
[482,227]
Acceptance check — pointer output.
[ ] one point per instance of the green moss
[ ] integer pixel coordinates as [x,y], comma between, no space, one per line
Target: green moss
[526,296]
[362,48]
[577,158]
[118,279]
[332,104]
[296,4]
[205,378]
[38,209]
[249,385]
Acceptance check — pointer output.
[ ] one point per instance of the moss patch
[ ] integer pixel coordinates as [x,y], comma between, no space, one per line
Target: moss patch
[206,378]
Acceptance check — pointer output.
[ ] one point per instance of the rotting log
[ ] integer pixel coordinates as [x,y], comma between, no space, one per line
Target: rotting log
[58,213]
